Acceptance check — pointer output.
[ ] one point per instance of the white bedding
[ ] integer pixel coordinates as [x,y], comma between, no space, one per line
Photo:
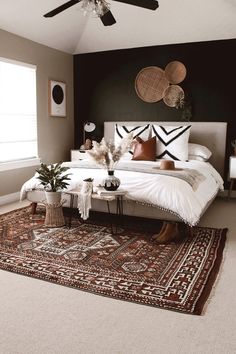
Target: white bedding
[166,192]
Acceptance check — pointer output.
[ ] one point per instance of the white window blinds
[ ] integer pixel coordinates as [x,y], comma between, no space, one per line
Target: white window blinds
[18,118]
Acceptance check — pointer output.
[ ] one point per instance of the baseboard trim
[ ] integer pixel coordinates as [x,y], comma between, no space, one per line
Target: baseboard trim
[9,198]
[224,194]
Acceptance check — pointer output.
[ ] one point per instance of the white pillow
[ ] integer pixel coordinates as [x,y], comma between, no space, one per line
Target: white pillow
[121,131]
[195,158]
[172,141]
[198,152]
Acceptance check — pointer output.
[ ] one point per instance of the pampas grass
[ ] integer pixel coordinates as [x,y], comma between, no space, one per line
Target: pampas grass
[106,154]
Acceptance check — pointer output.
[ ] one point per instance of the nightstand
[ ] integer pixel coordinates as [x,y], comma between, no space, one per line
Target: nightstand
[76,155]
[232,173]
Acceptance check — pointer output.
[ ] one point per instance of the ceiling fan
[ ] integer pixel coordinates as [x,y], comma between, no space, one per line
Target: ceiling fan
[101,8]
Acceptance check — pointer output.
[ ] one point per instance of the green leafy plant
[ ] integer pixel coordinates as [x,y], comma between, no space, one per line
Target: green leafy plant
[53,177]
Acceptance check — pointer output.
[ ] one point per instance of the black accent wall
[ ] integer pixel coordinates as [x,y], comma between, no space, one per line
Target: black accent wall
[104,85]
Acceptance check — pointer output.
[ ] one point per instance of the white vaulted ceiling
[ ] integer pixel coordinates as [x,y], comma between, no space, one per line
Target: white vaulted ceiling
[175,21]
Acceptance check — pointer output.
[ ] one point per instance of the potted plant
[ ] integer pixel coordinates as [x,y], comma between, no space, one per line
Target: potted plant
[53,179]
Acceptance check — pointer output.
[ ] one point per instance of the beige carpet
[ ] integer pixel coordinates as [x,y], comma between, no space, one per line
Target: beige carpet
[40,317]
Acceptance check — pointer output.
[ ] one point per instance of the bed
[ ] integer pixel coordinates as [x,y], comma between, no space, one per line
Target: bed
[167,197]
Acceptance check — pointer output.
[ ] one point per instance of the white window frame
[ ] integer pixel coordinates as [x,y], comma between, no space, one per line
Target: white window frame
[27,162]
[13,165]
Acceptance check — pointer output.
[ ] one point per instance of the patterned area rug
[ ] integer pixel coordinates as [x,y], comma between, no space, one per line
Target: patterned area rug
[126,266]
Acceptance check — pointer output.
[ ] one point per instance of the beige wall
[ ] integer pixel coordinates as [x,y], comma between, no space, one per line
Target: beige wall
[55,135]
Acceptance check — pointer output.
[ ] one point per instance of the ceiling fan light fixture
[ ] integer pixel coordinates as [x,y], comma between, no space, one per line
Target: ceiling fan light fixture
[97,7]
[102,7]
[87,6]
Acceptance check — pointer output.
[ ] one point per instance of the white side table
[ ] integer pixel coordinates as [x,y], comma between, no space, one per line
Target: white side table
[76,155]
[232,173]
[106,196]
[109,196]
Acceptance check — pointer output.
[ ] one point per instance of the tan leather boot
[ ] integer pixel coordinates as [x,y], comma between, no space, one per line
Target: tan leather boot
[170,233]
[155,236]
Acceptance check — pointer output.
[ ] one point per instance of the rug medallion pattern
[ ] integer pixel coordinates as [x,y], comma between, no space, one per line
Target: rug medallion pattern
[127,266]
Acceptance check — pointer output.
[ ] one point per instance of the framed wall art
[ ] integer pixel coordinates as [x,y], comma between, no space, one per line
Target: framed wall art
[56,98]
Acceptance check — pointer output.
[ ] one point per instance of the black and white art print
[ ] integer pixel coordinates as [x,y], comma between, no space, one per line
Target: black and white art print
[57,98]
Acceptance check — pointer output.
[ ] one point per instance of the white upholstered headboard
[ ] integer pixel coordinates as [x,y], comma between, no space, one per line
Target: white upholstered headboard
[209,134]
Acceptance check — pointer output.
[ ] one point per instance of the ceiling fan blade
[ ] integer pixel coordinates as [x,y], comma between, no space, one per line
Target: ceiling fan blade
[61,8]
[108,19]
[147,4]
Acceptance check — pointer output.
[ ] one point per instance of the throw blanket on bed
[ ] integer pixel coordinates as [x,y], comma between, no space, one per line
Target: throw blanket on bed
[191,176]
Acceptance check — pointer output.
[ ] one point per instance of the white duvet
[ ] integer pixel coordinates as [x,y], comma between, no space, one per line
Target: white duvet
[166,192]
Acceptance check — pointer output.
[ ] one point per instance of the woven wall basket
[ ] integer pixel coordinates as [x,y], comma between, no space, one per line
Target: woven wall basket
[175,72]
[151,83]
[173,95]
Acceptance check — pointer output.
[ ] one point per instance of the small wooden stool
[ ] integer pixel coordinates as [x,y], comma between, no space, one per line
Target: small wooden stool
[54,215]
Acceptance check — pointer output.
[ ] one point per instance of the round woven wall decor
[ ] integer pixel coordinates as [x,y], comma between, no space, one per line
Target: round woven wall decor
[151,83]
[175,72]
[174,94]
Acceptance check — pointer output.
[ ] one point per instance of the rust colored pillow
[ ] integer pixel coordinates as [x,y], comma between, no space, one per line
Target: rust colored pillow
[145,150]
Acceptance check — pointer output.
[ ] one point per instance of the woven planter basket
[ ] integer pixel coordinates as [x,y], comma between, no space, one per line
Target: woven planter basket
[54,215]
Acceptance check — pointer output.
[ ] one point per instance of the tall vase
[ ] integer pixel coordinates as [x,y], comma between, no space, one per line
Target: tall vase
[111,182]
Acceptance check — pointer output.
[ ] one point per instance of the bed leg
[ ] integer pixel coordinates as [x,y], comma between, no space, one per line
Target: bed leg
[33,208]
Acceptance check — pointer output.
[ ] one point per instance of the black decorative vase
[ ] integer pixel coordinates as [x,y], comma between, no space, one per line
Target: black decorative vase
[111,183]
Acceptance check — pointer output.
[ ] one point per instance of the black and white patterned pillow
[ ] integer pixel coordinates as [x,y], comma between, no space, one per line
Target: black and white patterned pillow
[121,131]
[172,141]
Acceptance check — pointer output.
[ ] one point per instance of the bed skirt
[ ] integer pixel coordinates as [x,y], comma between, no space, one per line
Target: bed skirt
[131,208]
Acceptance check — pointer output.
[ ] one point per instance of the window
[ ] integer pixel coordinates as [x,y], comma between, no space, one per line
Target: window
[18,116]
